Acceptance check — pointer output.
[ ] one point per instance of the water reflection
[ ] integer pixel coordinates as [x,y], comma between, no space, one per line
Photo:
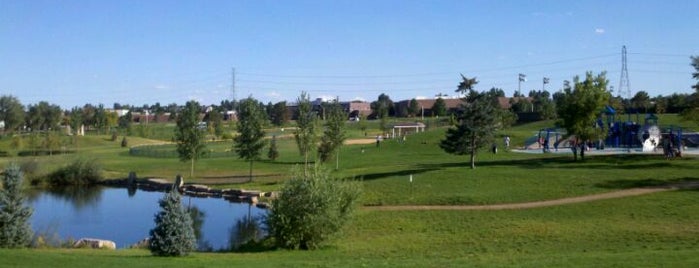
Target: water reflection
[126,216]
[246,232]
[197,224]
[80,197]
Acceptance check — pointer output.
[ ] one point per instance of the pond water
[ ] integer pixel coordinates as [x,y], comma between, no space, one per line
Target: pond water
[126,216]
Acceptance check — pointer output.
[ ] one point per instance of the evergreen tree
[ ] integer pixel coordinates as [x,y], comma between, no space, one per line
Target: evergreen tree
[413,108]
[334,134]
[15,230]
[250,140]
[273,152]
[188,135]
[173,234]
[439,108]
[477,124]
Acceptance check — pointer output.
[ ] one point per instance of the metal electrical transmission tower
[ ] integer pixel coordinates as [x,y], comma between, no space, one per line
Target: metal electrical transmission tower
[624,88]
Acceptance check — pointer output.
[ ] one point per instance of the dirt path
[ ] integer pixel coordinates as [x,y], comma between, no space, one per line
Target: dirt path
[360,141]
[536,204]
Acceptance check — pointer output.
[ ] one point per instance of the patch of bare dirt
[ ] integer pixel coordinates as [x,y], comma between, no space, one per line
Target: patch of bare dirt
[360,141]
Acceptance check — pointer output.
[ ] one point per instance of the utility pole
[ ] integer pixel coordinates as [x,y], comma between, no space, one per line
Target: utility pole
[233,84]
[522,78]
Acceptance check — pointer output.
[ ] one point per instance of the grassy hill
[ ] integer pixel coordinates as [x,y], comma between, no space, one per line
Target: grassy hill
[660,229]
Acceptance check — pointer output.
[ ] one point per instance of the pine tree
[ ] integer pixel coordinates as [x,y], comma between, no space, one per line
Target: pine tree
[477,124]
[173,234]
[15,230]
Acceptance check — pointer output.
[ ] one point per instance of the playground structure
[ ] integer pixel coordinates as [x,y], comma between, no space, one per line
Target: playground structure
[648,137]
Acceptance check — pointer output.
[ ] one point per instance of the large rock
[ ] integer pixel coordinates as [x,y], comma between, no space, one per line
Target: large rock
[94,243]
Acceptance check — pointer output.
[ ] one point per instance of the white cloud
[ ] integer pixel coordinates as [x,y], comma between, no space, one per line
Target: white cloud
[358,99]
[273,94]
[161,87]
[599,30]
[326,97]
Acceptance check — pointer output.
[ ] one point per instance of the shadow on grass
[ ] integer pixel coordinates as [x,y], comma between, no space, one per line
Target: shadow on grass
[686,183]
[380,175]
[567,162]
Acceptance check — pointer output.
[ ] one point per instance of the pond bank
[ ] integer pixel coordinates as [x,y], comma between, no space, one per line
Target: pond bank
[193,190]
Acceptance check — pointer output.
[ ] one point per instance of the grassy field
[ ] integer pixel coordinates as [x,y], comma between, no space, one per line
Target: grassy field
[660,229]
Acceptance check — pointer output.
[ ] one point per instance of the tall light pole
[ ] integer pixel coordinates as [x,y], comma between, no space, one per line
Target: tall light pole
[522,78]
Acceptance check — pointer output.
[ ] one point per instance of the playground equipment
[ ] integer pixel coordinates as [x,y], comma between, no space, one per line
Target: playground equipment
[648,136]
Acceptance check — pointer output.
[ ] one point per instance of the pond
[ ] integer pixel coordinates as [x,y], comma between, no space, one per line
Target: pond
[126,216]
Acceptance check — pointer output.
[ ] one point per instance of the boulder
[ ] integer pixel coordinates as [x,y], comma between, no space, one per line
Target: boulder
[94,243]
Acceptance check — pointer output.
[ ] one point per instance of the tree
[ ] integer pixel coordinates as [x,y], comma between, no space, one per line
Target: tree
[279,115]
[76,119]
[43,116]
[173,234]
[477,124]
[125,121]
[439,108]
[641,101]
[334,134]
[581,105]
[101,121]
[273,152]
[188,135]
[15,230]
[413,108]
[691,113]
[382,109]
[250,140]
[214,121]
[310,208]
[11,112]
[305,134]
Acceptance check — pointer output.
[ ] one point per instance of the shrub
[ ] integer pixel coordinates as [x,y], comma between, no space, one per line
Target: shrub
[173,234]
[79,172]
[114,136]
[310,208]
[15,230]
[124,142]
[226,136]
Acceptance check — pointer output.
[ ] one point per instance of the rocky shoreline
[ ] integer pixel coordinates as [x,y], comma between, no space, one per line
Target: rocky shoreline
[193,190]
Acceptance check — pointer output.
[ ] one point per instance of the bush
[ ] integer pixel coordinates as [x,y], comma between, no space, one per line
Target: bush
[79,172]
[173,234]
[124,142]
[310,208]
[226,136]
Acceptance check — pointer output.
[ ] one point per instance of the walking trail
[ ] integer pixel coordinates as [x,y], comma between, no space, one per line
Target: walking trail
[536,204]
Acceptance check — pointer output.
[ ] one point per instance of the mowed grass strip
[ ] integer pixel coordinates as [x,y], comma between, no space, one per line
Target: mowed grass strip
[660,229]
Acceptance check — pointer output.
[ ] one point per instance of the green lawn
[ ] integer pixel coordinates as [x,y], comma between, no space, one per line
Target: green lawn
[660,229]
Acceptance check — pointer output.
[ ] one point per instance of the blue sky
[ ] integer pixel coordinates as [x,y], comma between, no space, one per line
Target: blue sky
[137,52]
